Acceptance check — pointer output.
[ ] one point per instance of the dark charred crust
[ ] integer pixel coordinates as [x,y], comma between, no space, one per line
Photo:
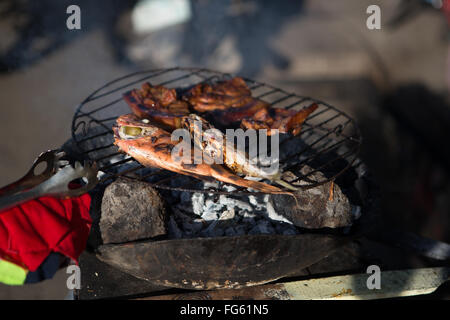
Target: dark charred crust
[164,147]
[233,177]
[189,165]
[130,98]
[154,139]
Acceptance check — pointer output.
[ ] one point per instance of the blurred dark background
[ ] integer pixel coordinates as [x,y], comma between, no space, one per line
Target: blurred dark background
[393,81]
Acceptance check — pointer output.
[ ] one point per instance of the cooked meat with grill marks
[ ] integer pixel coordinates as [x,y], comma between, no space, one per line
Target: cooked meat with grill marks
[228,117]
[280,119]
[157,103]
[223,95]
[226,103]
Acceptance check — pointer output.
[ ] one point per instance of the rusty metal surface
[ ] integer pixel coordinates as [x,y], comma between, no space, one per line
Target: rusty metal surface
[399,283]
[225,262]
[263,292]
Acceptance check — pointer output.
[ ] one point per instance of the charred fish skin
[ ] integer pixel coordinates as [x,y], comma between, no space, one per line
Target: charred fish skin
[157,153]
[215,146]
[235,159]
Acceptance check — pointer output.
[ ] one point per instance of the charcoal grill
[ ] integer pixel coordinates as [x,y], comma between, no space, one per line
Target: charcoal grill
[329,142]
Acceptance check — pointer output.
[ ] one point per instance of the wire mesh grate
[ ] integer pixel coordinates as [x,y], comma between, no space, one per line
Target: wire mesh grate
[328,143]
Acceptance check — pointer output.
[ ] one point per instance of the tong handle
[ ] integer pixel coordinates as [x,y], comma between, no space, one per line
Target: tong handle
[18,198]
[30,179]
[52,182]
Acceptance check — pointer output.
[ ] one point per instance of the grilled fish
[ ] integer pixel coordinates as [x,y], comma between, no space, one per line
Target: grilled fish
[213,142]
[153,146]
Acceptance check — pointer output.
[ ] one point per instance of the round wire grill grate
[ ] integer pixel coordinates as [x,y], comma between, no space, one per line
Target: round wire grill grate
[328,143]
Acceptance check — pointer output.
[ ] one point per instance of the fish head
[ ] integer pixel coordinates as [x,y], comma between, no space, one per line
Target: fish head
[131,127]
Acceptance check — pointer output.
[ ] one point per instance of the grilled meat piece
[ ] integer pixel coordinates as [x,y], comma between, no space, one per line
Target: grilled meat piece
[226,103]
[230,102]
[152,147]
[231,116]
[224,95]
[157,103]
[280,119]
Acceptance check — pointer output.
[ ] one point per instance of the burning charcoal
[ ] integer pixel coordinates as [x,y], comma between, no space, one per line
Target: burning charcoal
[248,220]
[228,215]
[210,184]
[285,228]
[193,227]
[248,215]
[257,202]
[131,210]
[210,205]
[319,207]
[240,230]
[253,200]
[197,225]
[229,232]
[198,200]
[185,197]
[174,231]
[254,230]
[274,215]
[209,215]
[229,188]
[288,232]
[231,203]
[176,195]
[265,227]
[212,231]
[356,212]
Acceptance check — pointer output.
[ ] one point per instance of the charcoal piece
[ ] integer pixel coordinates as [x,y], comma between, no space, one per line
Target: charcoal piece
[316,207]
[174,230]
[131,210]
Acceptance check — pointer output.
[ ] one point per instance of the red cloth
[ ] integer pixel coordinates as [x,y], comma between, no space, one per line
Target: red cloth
[446,9]
[31,231]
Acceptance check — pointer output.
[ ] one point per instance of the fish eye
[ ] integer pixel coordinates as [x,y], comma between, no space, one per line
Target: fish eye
[132,131]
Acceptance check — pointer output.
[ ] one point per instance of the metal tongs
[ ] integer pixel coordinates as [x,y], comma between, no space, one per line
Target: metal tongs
[53,181]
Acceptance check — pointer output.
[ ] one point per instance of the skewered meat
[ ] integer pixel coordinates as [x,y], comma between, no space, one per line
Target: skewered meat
[152,147]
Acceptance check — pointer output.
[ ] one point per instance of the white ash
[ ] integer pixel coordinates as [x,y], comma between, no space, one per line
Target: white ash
[356,212]
[230,203]
[274,215]
[210,215]
[229,188]
[198,202]
[174,231]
